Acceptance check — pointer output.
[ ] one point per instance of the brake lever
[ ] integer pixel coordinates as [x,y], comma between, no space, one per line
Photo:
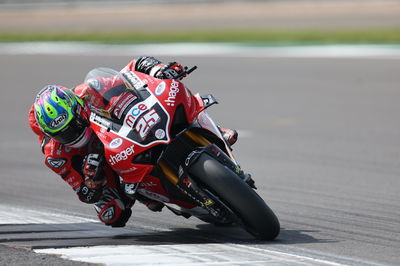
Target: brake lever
[187,72]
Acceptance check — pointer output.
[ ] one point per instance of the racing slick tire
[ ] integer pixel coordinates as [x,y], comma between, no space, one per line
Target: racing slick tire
[258,219]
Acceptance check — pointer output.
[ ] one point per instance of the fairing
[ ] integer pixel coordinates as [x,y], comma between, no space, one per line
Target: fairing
[137,116]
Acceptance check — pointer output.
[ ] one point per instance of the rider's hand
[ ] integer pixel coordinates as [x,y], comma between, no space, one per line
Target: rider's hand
[172,70]
[88,195]
[92,171]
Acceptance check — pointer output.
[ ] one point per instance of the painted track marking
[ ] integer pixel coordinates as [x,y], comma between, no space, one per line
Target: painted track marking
[114,255]
[187,254]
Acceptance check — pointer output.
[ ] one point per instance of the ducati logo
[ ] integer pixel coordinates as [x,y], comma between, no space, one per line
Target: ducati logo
[56,162]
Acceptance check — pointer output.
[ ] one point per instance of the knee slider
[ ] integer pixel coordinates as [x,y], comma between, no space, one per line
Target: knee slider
[113,213]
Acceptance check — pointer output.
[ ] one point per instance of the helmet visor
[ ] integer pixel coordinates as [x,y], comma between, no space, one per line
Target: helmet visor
[72,133]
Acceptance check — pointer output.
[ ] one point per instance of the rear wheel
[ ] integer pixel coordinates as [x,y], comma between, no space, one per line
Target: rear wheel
[257,217]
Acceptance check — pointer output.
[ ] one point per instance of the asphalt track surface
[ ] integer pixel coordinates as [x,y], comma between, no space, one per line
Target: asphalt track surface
[320,136]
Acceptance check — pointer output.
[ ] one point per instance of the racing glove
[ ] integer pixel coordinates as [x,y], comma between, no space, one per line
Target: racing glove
[93,172]
[145,64]
[172,70]
[152,66]
[88,195]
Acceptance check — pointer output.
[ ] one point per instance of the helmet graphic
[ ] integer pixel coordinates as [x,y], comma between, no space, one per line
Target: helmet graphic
[58,112]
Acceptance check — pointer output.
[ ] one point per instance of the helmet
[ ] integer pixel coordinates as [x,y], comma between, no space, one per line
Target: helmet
[61,115]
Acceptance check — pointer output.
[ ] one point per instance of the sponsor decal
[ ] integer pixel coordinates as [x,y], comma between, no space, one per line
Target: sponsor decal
[121,106]
[147,81]
[146,123]
[152,195]
[131,169]
[72,179]
[99,120]
[102,135]
[63,171]
[173,90]
[121,156]
[115,143]
[180,171]
[58,120]
[130,188]
[135,81]
[74,182]
[160,133]
[190,156]
[208,202]
[160,88]
[135,112]
[56,162]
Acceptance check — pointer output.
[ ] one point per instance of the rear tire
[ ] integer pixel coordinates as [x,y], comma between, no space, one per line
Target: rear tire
[258,218]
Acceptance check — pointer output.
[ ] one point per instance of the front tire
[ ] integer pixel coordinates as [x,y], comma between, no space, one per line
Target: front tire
[258,218]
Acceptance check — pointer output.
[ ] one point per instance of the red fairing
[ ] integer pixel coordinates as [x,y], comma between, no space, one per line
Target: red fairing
[146,123]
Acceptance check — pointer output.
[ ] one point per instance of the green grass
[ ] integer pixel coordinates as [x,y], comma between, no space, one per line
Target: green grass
[263,36]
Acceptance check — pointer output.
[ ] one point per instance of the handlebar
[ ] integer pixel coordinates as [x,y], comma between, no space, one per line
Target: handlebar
[186,72]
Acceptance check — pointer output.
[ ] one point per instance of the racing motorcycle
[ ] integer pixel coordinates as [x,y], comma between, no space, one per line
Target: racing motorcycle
[159,139]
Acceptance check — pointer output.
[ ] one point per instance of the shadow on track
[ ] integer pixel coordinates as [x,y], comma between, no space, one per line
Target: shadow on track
[93,234]
[235,234]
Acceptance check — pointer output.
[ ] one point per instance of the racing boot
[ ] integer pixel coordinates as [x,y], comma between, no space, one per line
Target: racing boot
[230,135]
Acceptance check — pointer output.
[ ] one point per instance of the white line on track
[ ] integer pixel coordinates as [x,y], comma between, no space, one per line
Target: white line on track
[185,254]
[168,255]
[14,215]
[365,51]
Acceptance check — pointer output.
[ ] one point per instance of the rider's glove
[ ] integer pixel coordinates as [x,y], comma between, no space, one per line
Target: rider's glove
[153,67]
[88,195]
[172,70]
[145,64]
[92,171]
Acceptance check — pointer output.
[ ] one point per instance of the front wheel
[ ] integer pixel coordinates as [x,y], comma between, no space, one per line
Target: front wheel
[257,217]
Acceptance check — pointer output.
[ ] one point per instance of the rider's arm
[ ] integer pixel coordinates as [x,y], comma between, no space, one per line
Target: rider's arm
[67,163]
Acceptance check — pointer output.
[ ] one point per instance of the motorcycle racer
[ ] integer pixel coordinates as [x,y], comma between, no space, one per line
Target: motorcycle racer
[60,118]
